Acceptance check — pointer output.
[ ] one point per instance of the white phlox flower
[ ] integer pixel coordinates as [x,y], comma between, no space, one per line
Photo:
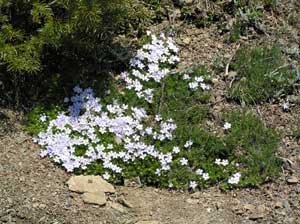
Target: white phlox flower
[188,144]
[227,126]
[193,185]
[235,179]
[183,161]
[223,162]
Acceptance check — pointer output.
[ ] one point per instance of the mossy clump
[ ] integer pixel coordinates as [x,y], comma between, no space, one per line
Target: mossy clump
[254,146]
[262,75]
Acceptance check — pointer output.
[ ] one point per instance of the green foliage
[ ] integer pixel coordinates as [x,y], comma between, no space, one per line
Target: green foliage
[34,124]
[247,14]
[249,146]
[189,109]
[42,39]
[158,8]
[262,74]
[254,146]
[235,33]
[246,5]
[296,133]
[294,19]
[201,17]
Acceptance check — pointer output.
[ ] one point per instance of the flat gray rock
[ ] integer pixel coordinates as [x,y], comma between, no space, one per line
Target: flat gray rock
[293,180]
[91,184]
[94,198]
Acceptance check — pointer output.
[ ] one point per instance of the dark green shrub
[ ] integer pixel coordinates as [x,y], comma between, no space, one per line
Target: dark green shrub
[49,44]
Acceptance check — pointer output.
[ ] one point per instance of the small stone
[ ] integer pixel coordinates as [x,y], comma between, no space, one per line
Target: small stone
[197,195]
[117,207]
[278,204]
[249,207]
[232,74]
[35,205]
[90,184]
[219,45]
[256,216]
[42,206]
[6,218]
[215,81]
[147,222]
[118,140]
[124,202]
[176,13]
[292,180]
[218,205]
[192,201]
[133,182]
[94,198]
[239,212]
[189,1]
[258,213]
[187,40]
[286,204]
[183,2]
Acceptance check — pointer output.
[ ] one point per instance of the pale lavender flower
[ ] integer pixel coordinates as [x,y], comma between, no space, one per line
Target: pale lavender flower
[199,172]
[186,77]
[193,184]
[106,176]
[183,161]
[285,106]
[199,79]
[223,162]
[193,85]
[66,100]
[227,126]
[235,179]
[188,144]
[176,149]
[43,118]
[205,176]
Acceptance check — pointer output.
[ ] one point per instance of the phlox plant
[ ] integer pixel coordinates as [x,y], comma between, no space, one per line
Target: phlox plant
[149,124]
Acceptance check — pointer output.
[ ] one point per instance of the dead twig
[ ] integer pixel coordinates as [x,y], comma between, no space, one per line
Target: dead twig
[286,160]
[161,100]
[230,59]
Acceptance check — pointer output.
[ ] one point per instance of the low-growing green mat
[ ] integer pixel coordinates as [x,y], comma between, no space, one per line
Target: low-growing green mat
[262,75]
[151,124]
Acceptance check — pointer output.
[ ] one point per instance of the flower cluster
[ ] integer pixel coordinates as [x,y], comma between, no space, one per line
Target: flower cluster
[235,179]
[196,82]
[87,120]
[285,106]
[204,175]
[150,63]
[223,162]
[227,126]
[117,135]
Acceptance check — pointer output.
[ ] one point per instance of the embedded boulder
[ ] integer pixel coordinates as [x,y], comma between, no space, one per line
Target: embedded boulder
[94,198]
[91,184]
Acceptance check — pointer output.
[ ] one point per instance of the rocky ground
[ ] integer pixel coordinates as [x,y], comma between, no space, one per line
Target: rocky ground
[34,190]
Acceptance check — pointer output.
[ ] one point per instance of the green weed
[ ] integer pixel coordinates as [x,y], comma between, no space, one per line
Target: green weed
[262,74]
[254,146]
